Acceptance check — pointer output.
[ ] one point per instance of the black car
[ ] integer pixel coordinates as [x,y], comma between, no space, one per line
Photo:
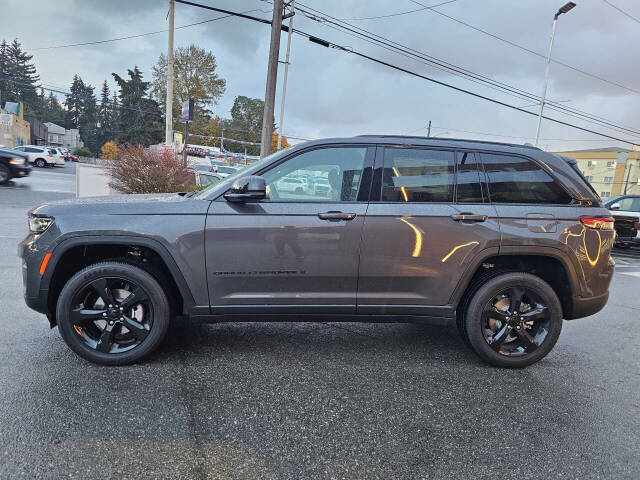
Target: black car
[13,165]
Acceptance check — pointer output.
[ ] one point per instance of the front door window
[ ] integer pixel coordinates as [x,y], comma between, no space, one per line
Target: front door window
[322,175]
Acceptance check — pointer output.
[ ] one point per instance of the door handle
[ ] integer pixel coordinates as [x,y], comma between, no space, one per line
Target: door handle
[469,217]
[336,216]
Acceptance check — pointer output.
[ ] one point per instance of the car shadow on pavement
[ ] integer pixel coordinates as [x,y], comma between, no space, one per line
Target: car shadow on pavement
[322,340]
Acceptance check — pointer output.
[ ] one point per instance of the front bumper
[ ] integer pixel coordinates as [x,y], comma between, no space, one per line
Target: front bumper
[19,171]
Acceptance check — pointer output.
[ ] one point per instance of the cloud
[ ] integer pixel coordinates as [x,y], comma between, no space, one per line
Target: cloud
[335,93]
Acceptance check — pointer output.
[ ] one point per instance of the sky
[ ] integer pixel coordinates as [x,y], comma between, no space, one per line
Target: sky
[335,93]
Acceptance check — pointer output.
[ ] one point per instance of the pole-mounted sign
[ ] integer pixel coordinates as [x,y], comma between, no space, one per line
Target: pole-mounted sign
[187,110]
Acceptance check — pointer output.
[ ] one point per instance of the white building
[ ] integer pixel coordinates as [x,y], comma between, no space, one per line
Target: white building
[61,137]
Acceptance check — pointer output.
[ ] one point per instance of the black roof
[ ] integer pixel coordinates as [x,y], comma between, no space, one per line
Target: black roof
[423,141]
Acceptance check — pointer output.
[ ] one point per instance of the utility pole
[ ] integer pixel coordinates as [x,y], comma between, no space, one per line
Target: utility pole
[429,129]
[286,72]
[272,77]
[185,155]
[168,121]
[564,9]
[626,183]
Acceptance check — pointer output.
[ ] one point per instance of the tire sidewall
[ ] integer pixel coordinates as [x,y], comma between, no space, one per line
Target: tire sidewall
[157,296]
[473,318]
[40,163]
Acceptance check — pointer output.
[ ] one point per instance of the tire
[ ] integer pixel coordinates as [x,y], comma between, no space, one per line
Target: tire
[509,337]
[5,173]
[98,333]
[40,163]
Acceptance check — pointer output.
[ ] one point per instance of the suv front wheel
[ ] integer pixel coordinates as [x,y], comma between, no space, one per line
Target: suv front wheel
[513,320]
[113,313]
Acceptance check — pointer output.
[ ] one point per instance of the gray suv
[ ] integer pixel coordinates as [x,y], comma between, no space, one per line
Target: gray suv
[503,240]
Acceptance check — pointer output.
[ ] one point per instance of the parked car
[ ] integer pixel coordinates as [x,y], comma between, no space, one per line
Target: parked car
[206,178]
[504,241]
[40,156]
[13,165]
[59,153]
[225,170]
[291,185]
[624,205]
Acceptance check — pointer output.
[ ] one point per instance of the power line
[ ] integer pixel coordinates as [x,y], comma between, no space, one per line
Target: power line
[519,136]
[400,13]
[98,42]
[406,51]
[328,44]
[621,11]
[513,44]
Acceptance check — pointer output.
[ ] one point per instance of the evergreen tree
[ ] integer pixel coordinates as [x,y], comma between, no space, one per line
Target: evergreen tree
[139,119]
[82,113]
[4,72]
[105,116]
[52,111]
[18,77]
[74,103]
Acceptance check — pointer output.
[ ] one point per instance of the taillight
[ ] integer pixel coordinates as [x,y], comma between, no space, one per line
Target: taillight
[599,223]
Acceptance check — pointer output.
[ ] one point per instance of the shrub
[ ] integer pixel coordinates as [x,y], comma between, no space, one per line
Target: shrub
[137,169]
[82,152]
[109,150]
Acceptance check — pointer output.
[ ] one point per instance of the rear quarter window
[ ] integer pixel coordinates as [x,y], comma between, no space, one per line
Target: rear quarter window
[514,179]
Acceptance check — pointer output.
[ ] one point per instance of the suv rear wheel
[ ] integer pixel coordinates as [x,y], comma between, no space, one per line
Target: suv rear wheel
[40,163]
[513,320]
[113,313]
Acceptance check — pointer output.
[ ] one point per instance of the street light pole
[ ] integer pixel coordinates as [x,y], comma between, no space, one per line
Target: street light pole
[286,73]
[168,121]
[564,9]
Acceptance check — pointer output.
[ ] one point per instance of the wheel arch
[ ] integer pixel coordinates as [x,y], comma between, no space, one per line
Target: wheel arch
[547,263]
[75,253]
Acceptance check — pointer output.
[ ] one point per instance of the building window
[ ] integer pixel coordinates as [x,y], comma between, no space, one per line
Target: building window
[605,194]
[591,164]
[610,164]
[608,180]
[589,178]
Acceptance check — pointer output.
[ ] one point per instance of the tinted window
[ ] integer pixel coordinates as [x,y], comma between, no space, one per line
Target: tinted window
[322,175]
[52,151]
[468,179]
[417,175]
[519,180]
[629,204]
[31,150]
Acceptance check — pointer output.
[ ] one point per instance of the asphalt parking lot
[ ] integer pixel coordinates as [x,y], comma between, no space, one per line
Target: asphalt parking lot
[309,400]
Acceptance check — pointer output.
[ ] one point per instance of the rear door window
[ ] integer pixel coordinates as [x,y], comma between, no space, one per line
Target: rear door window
[417,175]
[514,179]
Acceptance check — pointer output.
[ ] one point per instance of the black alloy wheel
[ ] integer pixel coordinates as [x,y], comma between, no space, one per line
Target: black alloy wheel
[513,320]
[112,313]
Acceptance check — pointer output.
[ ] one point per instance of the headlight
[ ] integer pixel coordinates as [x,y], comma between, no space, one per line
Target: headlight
[39,224]
[16,161]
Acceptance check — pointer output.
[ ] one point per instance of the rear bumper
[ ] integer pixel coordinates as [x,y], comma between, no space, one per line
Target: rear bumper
[584,307]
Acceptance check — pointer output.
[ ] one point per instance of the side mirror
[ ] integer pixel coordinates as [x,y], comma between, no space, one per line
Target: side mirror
[615,206]
[247,189]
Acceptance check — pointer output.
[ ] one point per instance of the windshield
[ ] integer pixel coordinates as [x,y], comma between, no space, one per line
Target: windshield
[226,183]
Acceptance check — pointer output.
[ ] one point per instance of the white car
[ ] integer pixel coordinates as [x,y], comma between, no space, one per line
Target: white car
[41,156]
[60,152]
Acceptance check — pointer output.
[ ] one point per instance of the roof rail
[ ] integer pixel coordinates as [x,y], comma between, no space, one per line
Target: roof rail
[447,139]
